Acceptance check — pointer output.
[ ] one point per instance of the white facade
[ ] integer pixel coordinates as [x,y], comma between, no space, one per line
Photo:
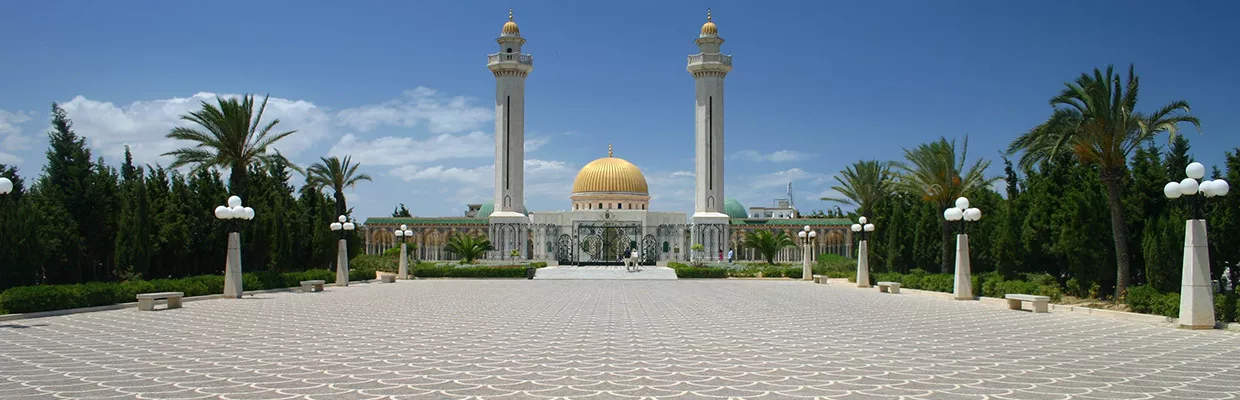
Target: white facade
[658,236]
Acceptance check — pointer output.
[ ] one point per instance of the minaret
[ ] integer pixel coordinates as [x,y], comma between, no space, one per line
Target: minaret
[510,67]
[709,67]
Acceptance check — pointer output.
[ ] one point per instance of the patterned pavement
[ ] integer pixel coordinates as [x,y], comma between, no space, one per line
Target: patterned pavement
[688,339]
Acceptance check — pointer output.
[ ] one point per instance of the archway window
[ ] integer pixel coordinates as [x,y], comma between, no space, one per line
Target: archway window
[600,206]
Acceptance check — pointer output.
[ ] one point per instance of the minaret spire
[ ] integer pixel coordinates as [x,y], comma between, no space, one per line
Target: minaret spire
[510,14]
[609,150]
[707,15]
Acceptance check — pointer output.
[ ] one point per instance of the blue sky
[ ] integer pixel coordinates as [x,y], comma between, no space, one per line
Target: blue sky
[404,88]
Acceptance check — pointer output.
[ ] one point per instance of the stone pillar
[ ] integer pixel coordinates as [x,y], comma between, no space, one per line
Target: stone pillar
[342,263]
[863,265]
[1196,294]
[964,284]
[807,273]
[232,267]
[404,263]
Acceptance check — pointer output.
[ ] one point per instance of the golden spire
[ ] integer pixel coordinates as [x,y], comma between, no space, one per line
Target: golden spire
[707,14]
[709,29]
[609,150]
[510,14]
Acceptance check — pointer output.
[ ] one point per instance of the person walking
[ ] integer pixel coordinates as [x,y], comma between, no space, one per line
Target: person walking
[730,256]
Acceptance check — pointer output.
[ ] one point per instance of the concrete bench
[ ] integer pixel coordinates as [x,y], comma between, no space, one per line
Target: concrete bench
[146,301]
[387,278]
[820,279]
[312,286]
[889,287]
[1041,304]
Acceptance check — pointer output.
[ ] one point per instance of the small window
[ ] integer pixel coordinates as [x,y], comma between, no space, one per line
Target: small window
[600,206]
[644,207]
[509,50]
[618,206]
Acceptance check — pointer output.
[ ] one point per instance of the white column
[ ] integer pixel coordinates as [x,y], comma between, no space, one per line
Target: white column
[807,273]
[232,267]
[863,265]
[342,263]
[1196,292]
[964,284]
[404,262]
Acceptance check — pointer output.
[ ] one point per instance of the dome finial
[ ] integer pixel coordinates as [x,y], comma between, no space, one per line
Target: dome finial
[609,150]
[510,14]
[707,15]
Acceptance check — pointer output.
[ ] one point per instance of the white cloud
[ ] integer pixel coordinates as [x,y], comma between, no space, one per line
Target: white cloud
[546,181]
[143,124]
[11,134]
[391,150]
[778,156]
[419,106]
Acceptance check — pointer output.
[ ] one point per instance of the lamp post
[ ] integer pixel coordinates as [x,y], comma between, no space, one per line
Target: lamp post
[963,289]
[807,241]
[342,250]
[863,252]
[403,234]
[1196,292]
[234,213]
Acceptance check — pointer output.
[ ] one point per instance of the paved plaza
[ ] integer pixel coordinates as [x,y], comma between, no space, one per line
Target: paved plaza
[688,339]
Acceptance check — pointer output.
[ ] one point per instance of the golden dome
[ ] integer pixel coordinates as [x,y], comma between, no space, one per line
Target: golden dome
[709,29]
[610,174]
[510,27]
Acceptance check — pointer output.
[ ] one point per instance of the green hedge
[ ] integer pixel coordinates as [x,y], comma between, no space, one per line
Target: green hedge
[509,271]
[1146,299]
[688,271]
[27,299]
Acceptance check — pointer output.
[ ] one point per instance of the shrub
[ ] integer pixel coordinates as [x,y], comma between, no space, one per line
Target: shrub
[701,272]
[432,271]
[27,299]
[1225,307]
[1146,299]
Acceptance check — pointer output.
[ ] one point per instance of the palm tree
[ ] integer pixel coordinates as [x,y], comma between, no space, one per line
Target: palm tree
[767,243]
[1095,120]
[469,247]
[335,173]
[864,184]
[234,138]
[933,171]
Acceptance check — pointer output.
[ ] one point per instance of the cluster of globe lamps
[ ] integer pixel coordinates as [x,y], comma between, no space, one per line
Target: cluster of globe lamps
[1190,187]
[962,213]
[6,185]
[234,210]
[863,227]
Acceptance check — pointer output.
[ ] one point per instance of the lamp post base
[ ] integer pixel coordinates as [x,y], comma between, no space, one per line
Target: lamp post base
[863,265]
[964,283]
[807,273]
[232,267]
[404,263]
[342,263]
[1196,291]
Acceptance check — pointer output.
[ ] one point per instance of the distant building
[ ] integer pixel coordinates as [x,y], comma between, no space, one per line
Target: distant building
[783,209]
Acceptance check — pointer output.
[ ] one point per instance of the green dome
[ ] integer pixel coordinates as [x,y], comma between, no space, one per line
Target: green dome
[489,207]
[735,209]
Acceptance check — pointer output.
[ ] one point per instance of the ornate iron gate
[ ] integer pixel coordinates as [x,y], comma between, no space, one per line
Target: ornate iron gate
[604,242]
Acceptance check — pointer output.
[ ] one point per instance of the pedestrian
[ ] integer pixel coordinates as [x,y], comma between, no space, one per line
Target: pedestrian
[730,256]
[721,254]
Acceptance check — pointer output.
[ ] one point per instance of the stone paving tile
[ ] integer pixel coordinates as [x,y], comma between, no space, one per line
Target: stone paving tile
[518,339]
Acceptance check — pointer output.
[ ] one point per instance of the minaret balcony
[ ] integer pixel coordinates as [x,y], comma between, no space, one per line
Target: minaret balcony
[716,58]
[502,60]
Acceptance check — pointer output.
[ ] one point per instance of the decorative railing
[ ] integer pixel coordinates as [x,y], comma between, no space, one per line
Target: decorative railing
[710,58]
[511,57]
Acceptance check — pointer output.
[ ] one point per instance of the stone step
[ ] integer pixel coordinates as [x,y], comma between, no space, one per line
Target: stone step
[605,272]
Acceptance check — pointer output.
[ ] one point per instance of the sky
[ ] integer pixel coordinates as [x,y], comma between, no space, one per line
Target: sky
[403,86]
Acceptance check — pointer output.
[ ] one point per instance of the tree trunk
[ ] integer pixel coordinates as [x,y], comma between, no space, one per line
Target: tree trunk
[340,206]
[236,182]
[949,248]
[1119,232]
